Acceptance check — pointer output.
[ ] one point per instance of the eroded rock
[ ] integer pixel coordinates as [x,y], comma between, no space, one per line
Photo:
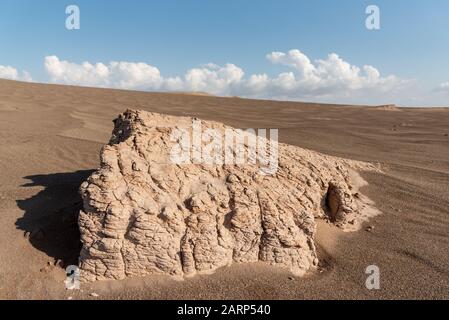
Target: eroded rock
[144,214]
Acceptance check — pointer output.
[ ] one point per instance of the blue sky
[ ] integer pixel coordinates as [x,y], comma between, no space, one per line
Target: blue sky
[176,37]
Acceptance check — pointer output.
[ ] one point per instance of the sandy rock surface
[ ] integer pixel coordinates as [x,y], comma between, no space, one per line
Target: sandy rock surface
[145,214]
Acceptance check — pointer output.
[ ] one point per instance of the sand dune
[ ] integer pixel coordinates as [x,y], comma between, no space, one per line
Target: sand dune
[50,139]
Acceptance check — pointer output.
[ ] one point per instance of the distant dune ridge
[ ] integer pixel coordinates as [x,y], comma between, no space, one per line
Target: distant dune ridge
[144,214]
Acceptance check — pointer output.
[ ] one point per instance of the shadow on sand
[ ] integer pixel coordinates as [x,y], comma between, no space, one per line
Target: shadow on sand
[50,218]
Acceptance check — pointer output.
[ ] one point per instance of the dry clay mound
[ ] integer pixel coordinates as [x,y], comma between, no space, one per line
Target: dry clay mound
[387,107]
[143,214]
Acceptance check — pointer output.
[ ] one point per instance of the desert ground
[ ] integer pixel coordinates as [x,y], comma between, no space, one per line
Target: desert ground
[51,136]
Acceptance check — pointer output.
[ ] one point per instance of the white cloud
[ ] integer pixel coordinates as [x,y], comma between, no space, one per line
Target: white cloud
[10,73]
[332,79]
[295,59]
[130,75]
[213,79]
[125,75]
[443,87]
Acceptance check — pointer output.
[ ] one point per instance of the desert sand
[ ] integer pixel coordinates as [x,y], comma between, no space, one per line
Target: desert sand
[50,143]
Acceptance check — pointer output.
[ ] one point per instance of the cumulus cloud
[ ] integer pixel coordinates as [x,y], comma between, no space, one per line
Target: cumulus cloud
[125,75]
[325,79]
[213,79]
[10,73]
[130,75]
[329,77]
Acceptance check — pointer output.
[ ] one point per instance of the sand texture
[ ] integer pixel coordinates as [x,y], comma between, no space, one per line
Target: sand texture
[51,138]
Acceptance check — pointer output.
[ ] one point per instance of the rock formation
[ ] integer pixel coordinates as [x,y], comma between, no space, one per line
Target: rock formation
[144,213]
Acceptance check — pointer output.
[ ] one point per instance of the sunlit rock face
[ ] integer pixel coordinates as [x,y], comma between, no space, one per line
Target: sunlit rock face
[146,212]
